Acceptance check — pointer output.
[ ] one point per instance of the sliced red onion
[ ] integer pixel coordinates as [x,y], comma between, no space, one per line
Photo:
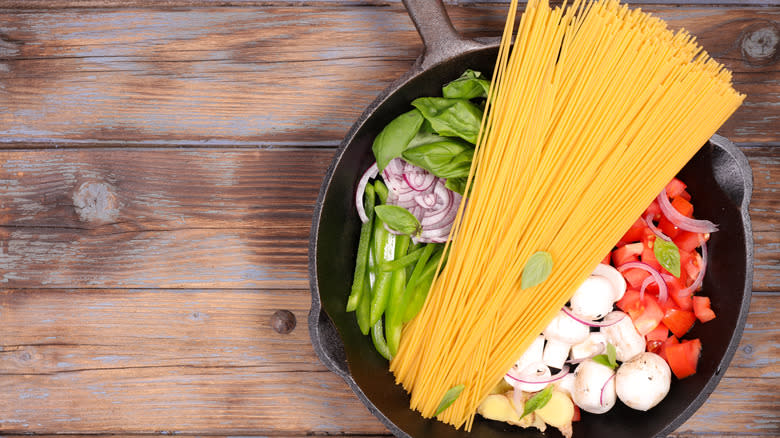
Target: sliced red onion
[361,189]
[663,292]
[681,221]
[603,388]
[533,379]
[610,319]
[427,200]
[654,229]
[700,277]
[419,181]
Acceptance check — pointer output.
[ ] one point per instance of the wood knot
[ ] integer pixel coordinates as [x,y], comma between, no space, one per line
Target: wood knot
[283,321]
[759,43]
[96,202]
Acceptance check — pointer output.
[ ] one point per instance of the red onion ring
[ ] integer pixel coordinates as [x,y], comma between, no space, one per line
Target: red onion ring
[428,180]
[700,277]
[654,229]
[523,378]
[606,322]
[681,221]
[663,291]
[603,387]
[361,189]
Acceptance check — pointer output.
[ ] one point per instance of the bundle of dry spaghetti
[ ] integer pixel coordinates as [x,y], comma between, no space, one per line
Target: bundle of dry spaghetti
[594,109]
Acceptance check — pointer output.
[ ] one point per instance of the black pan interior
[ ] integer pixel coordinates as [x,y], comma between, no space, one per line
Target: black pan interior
[337,243]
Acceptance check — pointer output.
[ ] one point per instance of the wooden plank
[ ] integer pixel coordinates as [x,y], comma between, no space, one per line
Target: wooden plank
[249,76]
[147,218]
[48,332]
[86,361]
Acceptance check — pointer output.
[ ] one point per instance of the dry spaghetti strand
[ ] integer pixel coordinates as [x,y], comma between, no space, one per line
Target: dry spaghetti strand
[592,111]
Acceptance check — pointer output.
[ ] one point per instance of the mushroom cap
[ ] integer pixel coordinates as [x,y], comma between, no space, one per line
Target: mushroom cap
[589,379]
[643,381]
[594,298]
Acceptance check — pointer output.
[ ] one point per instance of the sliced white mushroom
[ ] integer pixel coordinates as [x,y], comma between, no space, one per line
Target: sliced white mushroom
[562,332]
[643,381]
[595,343]
[594,298]
[532,354]
[594,387]
[566,384]
[623,335]
[536,371]
[615,277]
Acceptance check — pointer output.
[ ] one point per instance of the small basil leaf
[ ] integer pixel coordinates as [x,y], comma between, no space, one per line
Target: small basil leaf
[451,117]
[471,84]
[450,158]
[612,355]
[537,269]
[602,359]
[395,137]
[668,255]
[449,398]
[457,185]
[398,218]
[538,401]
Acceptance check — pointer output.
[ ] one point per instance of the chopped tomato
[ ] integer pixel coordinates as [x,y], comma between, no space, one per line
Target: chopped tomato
[658,334]
[654,209]
[687,241]
[627,253]
[692,265]
[683,206]
[677,295]
[630,300]
[606,260]
[648,256]
[635,277]
[675,188]
[685,195]
[668,228]
[647,316]
[635,232]
[577,415]
[702,310]
[671,340]
[679,321]
[683,357]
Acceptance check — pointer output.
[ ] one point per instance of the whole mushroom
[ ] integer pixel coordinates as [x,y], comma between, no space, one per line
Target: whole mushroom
[642,382]
[594,387]
[562,332]
[594,298]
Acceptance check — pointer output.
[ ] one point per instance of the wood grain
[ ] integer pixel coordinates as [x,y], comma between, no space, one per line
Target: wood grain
[269,76]
[207,361]
[194,218]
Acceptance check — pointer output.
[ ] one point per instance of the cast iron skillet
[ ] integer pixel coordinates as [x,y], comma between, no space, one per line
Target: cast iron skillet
[719,179]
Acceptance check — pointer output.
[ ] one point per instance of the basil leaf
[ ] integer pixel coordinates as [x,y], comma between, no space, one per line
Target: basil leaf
[612,355]
[395,137]
[451,117]
[398,218]
[538,401]
[449,398]
[450,158]
[425,135]
[457,185]
[668,255]
[471,84]
[609,359]
[537,269]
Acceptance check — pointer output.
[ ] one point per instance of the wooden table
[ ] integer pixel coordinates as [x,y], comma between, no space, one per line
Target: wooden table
[159,166]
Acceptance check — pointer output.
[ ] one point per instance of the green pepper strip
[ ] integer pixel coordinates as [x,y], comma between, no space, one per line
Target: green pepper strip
[378,336]
[381,290]
[362,252]
[381,191]
[364,306]
[421,288]
[403,261]
[395,311]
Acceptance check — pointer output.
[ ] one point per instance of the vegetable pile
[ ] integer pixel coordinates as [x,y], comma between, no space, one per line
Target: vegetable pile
[408,201]
[628,354]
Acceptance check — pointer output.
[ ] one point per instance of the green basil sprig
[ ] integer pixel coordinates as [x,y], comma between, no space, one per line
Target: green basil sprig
[451,117]
[536,270]
[398,219]
[471,84]
[449,398]
[538,401]
[668,255]
[609,359]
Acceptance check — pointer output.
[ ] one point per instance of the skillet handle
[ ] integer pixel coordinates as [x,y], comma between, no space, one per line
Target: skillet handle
[440,38]
[327,342]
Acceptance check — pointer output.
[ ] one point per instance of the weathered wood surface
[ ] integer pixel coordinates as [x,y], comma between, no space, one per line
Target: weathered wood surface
[276,75]
[138,278]
[192,218]
[207,361]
